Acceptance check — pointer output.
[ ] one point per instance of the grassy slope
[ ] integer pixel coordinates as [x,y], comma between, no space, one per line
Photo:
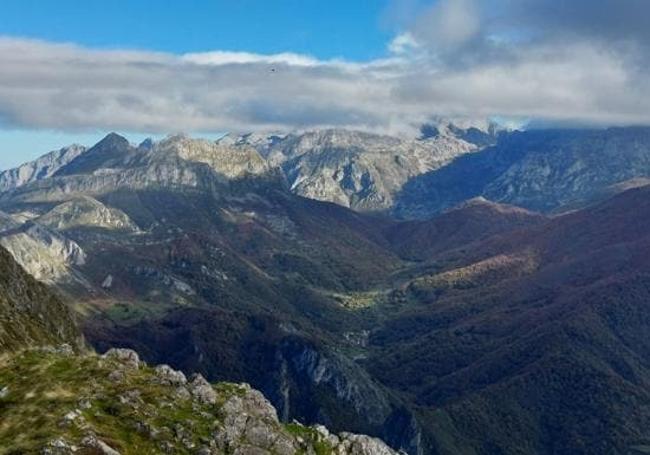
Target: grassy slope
[45,386]
[30,314]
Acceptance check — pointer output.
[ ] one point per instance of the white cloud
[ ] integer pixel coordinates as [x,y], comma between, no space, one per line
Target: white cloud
[403,43]
[448,23]
[69,87]
[225,58]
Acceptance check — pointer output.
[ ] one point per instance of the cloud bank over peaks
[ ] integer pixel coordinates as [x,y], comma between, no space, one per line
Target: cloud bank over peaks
[449,58]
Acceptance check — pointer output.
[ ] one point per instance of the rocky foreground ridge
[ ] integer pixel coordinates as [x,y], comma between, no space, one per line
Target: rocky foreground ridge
[53,401]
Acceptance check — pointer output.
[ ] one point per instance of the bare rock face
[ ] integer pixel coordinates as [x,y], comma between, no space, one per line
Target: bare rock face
[355,444]
[250,416]
[41,168]
[228,161]
[252,403]
[44,253]
[354,169]
[202,390]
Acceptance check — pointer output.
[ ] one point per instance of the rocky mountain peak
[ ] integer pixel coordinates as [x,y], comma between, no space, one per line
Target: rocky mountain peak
[355,169]
[263,143]
[41,168]
[360,170]
[229,161]
[111,151]
[147,144]
[542,170]
[173,142]
[343,138]
[481,133]
[112,141]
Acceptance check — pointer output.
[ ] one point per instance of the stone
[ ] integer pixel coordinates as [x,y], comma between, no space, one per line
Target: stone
[330,438]
[58,446]
[202,390]
[252,403]
[116,376]
[283,445]
[131,397]
[182,393]
[250,450]
[92,442]
[70,418]
[354,444]
[322,430]
[260,434]
[84,404]
[127,357]
[166,375]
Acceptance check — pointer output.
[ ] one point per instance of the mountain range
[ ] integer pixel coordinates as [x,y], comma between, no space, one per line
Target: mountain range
[545,170]
[358,170]
[470,291]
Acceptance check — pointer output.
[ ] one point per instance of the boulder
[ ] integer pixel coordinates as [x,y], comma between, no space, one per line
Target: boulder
[99,446]
[166,375]
[127,357]
[202,390]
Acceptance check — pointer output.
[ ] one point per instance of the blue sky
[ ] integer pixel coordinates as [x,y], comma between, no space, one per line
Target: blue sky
[353,30]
